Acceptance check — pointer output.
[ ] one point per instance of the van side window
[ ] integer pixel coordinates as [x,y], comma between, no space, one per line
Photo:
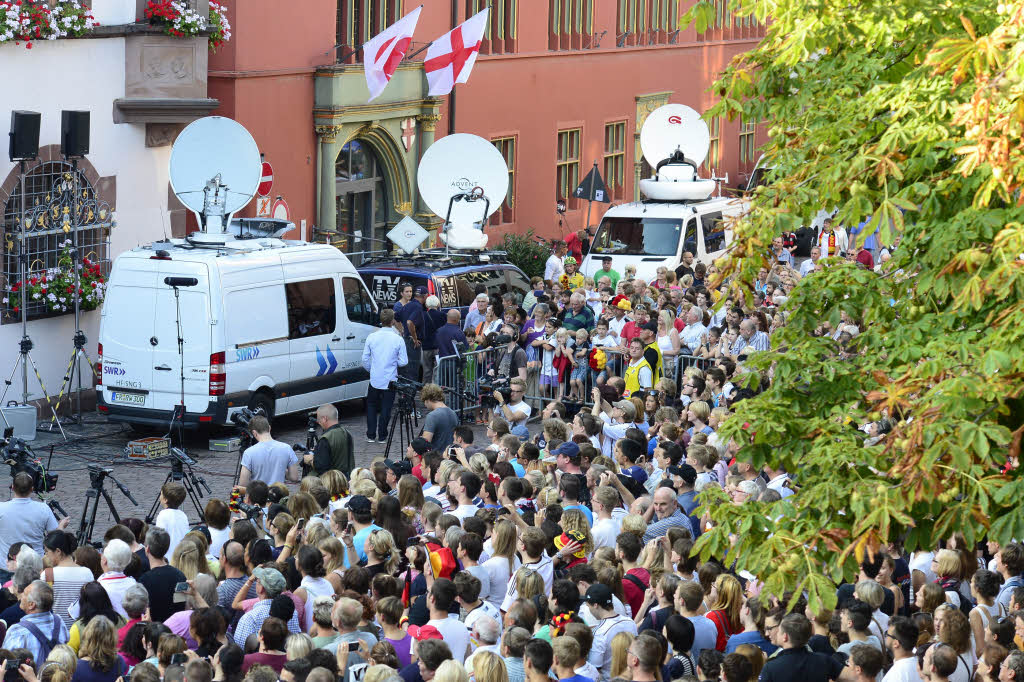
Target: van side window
[311,310]
[690,240]
[493,281]
[714,231]
[357,302]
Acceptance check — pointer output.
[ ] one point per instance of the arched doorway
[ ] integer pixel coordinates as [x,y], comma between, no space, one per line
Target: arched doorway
[361,199]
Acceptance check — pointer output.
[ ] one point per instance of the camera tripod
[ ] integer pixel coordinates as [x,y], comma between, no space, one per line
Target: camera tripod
[192,483]
[403,420]
[97,475]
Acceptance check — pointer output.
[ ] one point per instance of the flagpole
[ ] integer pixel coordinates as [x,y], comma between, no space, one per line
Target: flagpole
[451,95]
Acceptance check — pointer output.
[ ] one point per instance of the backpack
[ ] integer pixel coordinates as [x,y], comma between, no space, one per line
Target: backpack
[45,645]
[951,585]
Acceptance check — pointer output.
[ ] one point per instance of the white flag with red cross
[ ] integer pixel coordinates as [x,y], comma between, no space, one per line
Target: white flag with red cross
[450,58]
[384,52]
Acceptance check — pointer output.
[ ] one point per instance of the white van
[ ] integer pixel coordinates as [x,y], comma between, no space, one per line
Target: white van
[274,324]
[649,234]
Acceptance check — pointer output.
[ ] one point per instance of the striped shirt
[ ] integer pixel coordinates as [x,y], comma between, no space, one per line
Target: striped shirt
[758,341]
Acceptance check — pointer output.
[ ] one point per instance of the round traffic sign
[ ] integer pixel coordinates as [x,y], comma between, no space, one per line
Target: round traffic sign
[266,180]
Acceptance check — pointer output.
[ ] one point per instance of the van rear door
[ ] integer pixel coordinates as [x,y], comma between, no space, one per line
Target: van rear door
[125,332]
[197,333]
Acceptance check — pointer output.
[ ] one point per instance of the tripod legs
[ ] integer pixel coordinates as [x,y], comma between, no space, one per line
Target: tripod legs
[192,491]
[26,357]
[92,503]
[74,367]
[401,422]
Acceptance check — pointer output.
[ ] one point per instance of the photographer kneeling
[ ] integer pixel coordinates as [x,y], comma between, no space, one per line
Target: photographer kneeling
[517,411]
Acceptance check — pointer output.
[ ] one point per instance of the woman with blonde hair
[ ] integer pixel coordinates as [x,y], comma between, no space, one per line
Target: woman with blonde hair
[189,558]
[952,627]
[529,583]
[755,656]
[283,523]
[948,568]
[653,559]
[302,505]
[381,553]
[410,497]
[337,487]
[451,671]
[726,600]
[298,645]
[488,667]
[334,560]
[366,488]
[660,281]
[620,649]
[634,523]
[546,497]
[98,660]
[668,338]
[574,519]
[64,657]
[503,562]
[697,413]
[308,483]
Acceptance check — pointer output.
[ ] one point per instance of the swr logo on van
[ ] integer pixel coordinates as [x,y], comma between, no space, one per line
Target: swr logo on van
[116,371]
[243,354]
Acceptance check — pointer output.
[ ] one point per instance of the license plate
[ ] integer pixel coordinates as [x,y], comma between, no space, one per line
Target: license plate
[128,398]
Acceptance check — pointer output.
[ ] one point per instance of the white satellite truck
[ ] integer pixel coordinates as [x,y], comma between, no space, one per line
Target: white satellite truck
[678,214]
[218,321]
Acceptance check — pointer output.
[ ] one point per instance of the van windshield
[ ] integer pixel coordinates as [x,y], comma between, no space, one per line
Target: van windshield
[638,236]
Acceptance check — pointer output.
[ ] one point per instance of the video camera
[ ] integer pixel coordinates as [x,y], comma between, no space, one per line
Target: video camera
[489,386]
[19,456]
[242,418]
[251,511]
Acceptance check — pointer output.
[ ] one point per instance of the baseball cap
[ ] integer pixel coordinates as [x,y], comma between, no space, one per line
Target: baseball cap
[570,536]
[359,503]
[422,632]
[271,579]
[627,407]
[651,326]
[419,290]
[605,259]
[684,471]
[599,594]
[420,445]
[400,467]
[568,449]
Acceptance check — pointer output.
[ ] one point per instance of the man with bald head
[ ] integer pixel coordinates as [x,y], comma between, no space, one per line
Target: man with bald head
[666,508]
[334,449]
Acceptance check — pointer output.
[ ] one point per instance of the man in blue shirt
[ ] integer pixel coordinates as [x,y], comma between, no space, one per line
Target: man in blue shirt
[383,354]
[413,328]
[39,630]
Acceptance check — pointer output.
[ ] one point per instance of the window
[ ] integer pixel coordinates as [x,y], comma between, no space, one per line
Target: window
[647,22]
[493,281]
[714,232]
[506,214]
[570,24]
[57,222]
[714,149]
[747,151]
[360,20]
[638,236]
[310,307]
[518,283]
[358,304]
[615,158]
[568,167]
[500,36]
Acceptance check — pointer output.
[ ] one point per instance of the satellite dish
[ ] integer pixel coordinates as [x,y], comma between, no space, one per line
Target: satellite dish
[671,128]
[215,169]
[463,179]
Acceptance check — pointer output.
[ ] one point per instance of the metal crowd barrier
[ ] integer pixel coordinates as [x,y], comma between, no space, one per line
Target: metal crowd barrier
[460,376]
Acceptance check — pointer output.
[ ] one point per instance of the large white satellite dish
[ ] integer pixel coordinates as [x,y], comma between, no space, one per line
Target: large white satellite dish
[215,169]
[675,141]
[463,179]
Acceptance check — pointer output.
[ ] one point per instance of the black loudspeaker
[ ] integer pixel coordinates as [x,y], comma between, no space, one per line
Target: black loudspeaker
[74,134]
[24,135]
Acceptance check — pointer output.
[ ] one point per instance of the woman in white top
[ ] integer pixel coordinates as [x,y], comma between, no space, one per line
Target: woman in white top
[984,589]
[65,576]
[668,337]
[503,562]
[310,563]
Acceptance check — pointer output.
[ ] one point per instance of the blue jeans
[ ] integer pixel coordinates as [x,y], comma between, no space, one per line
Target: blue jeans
[378,412]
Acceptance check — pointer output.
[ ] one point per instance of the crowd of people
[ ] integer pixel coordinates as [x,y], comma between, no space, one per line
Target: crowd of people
[562,549]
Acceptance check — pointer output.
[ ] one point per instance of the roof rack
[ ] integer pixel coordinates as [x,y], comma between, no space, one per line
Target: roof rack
[439,255]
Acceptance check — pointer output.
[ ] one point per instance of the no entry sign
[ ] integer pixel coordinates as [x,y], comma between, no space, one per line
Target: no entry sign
[266,180]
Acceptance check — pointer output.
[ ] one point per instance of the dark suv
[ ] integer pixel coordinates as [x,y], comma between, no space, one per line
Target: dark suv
[453,278]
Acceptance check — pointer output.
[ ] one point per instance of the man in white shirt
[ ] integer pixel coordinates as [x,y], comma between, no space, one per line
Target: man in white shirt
[456,634]
[115,558]
[554,268]
[900,639]
[777,481]
[832,240]
[694,331]
[383,354]
[808,265]
[609,624]
[463,487]
[485,635]
[605,529]
[25,519]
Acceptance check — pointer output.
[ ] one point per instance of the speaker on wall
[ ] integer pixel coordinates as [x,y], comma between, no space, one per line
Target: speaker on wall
[74,134]
[24,135]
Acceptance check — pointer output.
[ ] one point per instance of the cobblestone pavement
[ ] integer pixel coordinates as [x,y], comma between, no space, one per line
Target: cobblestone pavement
[101,443]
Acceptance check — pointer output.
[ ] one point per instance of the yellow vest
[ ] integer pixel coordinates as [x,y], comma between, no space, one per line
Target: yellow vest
[657,369]
[633,377]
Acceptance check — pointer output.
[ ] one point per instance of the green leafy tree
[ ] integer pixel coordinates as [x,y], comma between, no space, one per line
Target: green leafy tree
[525,253]
[906,113]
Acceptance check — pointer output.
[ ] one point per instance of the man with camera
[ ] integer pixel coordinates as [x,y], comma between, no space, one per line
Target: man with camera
[383,354]
[333,450]
[24,519]
[517,411]
[267,460]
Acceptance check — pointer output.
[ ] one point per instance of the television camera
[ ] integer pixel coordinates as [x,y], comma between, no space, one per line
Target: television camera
[489,386]
[19,456]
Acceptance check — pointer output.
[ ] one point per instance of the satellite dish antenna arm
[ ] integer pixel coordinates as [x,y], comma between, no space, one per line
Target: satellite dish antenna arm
[677,157]
[474,194]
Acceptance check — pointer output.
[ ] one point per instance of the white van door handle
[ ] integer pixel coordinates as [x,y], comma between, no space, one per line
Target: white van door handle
[338,338]
[350,336]
[163,368]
